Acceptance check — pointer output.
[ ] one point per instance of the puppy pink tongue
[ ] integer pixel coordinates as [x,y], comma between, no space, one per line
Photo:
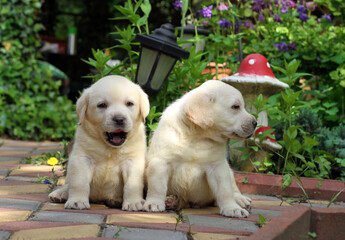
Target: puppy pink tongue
[116,139]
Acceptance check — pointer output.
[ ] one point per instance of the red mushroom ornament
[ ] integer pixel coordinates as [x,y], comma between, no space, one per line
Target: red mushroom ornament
[268,143]
[255,76]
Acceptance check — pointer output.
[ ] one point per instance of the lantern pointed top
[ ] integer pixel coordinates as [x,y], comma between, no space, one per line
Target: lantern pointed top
[163,39]
[165,33]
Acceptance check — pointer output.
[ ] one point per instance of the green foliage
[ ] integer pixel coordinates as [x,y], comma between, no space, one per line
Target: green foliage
[262,220]
[30,103]
[152,121]
[335,197]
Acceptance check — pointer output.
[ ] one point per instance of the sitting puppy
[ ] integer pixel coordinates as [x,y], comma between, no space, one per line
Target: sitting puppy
[107,161]
[187,154]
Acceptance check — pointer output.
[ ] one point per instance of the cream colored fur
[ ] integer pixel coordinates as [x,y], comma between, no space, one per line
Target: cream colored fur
[97,170]
[187,154]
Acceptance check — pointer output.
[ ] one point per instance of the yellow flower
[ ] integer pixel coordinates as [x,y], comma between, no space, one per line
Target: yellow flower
[7,45]
[52,161]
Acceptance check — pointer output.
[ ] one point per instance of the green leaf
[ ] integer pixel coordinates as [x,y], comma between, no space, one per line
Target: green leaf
[287,179]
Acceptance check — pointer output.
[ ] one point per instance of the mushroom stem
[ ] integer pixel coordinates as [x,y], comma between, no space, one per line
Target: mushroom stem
[262,116]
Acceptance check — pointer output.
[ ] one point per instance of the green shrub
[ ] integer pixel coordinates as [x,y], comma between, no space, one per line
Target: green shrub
[30,104]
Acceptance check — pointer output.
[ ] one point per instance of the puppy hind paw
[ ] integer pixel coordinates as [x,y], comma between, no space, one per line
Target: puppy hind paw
[58,196]
[112,203]
[133,206]
[154,206]
[172,202]
[77,204]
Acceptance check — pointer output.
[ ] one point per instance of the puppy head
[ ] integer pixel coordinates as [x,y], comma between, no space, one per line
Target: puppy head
[111,108]
[219,108]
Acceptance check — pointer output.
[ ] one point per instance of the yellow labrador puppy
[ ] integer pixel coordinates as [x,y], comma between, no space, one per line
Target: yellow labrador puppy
[187,154]
[107,161]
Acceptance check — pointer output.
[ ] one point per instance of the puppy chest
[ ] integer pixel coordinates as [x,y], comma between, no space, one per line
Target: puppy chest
[107,175]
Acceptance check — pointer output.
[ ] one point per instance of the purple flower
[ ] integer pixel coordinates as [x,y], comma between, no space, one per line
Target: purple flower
[282,47]
[291,4]
[224,23]
[248,24]
[206,12]
[177,5]
[328,17]
[292,46]
[222,7]
[276,3]
[276,18]
[301,9]
[311,6]
[261,18]
[303,17]
[258,6]
[283,10]
[46,181]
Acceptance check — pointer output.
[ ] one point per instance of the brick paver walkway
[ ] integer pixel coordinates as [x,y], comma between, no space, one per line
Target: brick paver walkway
[26,213]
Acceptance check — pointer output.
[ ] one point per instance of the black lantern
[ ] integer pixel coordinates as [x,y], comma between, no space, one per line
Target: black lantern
[158,55]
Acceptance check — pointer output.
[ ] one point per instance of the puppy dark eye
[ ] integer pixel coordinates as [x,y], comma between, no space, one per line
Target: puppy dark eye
[236,107]
[129,104]
[102,105]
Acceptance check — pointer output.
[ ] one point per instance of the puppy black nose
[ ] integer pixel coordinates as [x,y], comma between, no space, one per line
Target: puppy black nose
[254,123]
[119,120]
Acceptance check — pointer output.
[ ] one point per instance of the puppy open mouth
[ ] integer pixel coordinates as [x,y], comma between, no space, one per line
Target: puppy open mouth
[116,138]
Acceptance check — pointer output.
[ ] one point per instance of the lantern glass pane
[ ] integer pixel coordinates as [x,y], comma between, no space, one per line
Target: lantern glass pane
[147,59]
[164,66]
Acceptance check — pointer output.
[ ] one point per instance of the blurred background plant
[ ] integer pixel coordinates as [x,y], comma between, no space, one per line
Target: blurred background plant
[31,106]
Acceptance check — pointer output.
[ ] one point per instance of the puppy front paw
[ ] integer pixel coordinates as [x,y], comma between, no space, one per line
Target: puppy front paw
[136,205]
[234,210]
[77,204]
[59,195]
[243,201]
[154,206]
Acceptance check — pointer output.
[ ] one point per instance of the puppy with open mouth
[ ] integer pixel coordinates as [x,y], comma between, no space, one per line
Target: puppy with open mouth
[107,160]
[187,154]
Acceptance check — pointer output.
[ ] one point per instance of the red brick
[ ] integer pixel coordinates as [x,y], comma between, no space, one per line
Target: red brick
[271,185]
[292,224]
[328,223]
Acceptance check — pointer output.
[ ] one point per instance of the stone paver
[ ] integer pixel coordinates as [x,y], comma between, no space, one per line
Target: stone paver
[8,215]
[143,218]
[4,173]
[19,204]
[23,189]
[67,217]
[214,236]
[68,232]
[225,223]
[266,212]
[26,213]
[4,235]
[142,234]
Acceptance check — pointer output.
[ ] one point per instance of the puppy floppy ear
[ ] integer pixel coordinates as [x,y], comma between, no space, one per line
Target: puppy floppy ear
[198,109]
[144,104]
[82,104]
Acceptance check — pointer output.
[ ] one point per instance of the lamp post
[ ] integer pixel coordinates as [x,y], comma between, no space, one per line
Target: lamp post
[158,55]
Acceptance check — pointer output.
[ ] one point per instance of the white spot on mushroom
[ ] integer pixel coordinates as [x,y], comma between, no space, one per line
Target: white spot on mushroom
[236,74]
[268,65]
[251,61]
